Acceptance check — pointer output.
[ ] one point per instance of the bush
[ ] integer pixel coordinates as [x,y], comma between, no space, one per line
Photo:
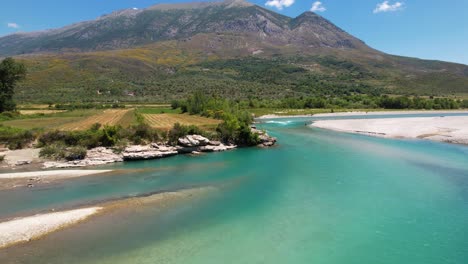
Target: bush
[53,151]
[179,131]
[61,152]
[15,138]
[75,153]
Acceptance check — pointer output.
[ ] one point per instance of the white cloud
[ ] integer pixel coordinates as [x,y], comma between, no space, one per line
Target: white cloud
[13,25]
[318,7]
[280,4]
[387,7]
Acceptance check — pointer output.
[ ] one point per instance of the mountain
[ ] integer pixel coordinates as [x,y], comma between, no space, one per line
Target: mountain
[230,48]
[133,27]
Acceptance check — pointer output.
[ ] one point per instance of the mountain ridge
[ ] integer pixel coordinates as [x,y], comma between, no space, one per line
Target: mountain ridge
[128,28]
[229,48]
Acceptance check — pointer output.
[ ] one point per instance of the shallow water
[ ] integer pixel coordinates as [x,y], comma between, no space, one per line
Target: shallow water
[319,197]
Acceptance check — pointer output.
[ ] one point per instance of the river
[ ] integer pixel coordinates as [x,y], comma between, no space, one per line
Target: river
[318,197]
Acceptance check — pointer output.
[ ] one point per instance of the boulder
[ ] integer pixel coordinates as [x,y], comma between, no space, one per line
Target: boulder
[214,143]
[193,141]
[218,148]
[147,152]
[265,139]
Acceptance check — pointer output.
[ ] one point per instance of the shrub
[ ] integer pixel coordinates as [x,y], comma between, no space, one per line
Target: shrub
[15,138]
[75,153]
[179,131]
[53,151]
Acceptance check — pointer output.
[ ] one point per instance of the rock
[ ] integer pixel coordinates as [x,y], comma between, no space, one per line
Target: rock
[23,162]
[193,141]
[147,152]
[219,148]
[214,143]
[96,156]
[265,139]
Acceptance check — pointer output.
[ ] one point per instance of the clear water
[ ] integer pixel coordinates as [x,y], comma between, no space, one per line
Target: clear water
[319,197]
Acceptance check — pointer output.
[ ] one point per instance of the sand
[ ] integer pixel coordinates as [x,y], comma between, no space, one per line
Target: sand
[21,230]
[398,112]
[33,227]
[451,129]
[55,174]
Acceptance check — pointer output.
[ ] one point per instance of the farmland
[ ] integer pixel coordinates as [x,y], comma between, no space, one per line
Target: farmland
[157,117]
[166,121]
[106,117]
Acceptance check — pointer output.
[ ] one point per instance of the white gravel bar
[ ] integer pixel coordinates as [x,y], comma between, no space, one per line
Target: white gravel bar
[450,129]
[54,174]
[32,227]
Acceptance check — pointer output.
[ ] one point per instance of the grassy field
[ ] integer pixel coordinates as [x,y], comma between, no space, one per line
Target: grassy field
[50,121]
[166,121]
[157,117]
[159,110]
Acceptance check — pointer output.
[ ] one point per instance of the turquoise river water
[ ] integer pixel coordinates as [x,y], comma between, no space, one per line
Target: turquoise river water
[318,197]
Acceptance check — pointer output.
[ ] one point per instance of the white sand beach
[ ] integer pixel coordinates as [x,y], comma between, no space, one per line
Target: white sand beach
[397,112]
[55,174]
[451,129]
[33,227]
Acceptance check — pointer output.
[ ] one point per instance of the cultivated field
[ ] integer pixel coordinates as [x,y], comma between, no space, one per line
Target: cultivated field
[44,111]
[167,121]
[107,117]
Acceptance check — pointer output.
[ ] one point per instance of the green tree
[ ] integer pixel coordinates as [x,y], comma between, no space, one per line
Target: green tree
[10,73]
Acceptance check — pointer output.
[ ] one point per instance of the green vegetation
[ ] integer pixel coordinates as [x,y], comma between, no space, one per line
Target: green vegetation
[235,127]
[10,73]
[174,73]
[15,138]
[358,101]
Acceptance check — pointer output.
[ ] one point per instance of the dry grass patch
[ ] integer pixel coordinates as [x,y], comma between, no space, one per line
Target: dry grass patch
[44,111]
[42,123]
[107,117]
[167,121]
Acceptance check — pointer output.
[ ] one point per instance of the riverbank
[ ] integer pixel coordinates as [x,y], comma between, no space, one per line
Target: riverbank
[370,112]
[449,129]
[191,144]
[396,112]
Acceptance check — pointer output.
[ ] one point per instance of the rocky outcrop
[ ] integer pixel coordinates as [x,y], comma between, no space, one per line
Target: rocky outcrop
[193,141]
[265,139]
[94,157]
[191,144]
[197,144]
[152,151]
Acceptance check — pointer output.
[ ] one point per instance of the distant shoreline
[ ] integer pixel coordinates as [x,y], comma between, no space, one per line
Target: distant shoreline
[362,113]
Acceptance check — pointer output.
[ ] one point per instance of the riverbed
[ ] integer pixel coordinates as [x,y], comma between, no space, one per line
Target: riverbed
[318,197]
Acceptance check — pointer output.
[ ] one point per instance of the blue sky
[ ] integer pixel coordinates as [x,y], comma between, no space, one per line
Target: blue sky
[429,29]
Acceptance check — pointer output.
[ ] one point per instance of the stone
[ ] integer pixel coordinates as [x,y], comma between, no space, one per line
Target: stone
[147,152]
[193,141]
[23,162]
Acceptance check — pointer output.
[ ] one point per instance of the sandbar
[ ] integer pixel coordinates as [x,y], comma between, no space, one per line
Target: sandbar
[450,129]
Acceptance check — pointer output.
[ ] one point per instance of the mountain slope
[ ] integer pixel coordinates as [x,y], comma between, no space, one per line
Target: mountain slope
[129,28]
[230,48]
